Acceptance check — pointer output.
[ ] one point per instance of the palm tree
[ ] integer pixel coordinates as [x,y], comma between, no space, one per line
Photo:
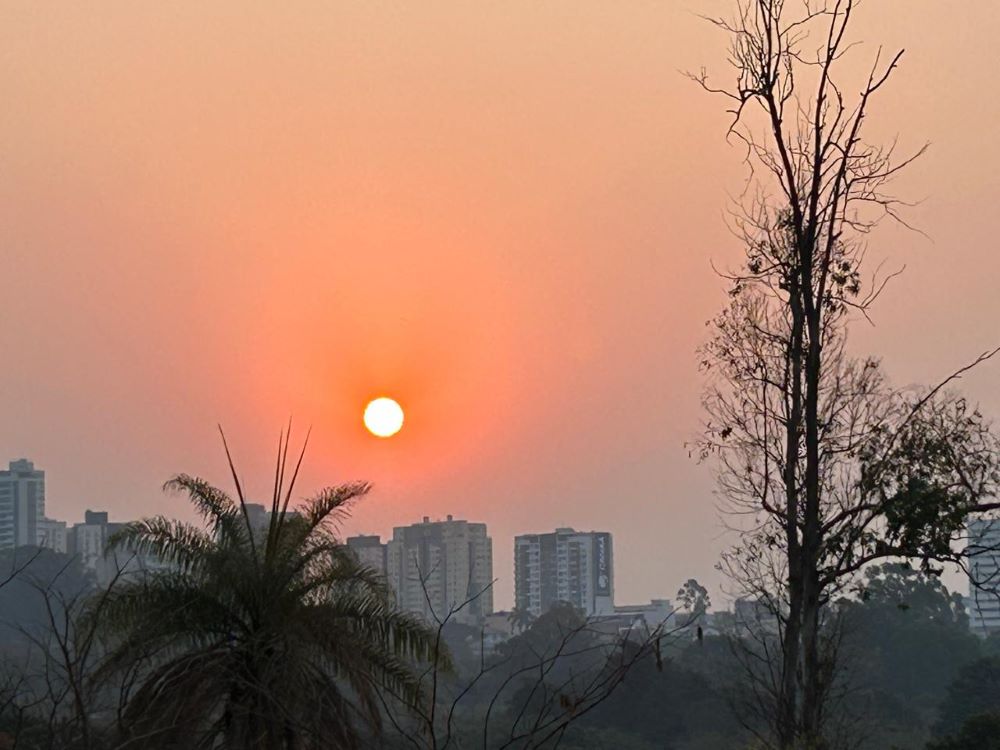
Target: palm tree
[267,636]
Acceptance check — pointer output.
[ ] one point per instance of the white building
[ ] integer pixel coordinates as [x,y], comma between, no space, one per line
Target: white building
[89,541]
[433,567]
[658,613]
[983,549]
[564,566]
[52,535]
[22,504]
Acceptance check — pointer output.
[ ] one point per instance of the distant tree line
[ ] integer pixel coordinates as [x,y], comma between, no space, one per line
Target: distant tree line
[69,679]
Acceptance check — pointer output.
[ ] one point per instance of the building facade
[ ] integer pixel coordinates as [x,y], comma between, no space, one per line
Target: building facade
[52,534]
[22,504]
[258,516]
[983,550]
[89,542]
[658,613]
[564,566]
[370,551]
[434,567]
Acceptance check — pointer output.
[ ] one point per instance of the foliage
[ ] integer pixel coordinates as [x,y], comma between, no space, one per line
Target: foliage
[902,594]
[544,632]
[535,690]
[678,705]
[520,619]
[980,732]
[905,636]
[694,598]
[974,691]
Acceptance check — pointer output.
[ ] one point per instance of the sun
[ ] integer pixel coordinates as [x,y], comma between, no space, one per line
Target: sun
[383,417]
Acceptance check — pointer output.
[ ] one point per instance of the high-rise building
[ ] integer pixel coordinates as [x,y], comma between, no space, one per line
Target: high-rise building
[370,551]
[983,550]
[258,516]
[434,567]
[52,535]
[565,566]
[22,504]
[89,541]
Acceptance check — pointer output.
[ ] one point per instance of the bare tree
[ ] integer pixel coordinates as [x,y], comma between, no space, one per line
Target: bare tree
[525,696]
[19,566]
[829,467]
[58,696]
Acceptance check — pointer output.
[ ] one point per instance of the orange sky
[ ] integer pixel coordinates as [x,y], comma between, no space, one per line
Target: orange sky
[501,213]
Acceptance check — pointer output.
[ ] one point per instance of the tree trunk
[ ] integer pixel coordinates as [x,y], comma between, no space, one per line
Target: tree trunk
[812,689]
[787,708]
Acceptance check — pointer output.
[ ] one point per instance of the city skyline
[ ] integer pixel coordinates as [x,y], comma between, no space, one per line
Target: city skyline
[353,528]
[546,579]
[88,538]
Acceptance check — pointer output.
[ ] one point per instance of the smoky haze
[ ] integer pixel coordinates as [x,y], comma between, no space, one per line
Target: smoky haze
[503,215]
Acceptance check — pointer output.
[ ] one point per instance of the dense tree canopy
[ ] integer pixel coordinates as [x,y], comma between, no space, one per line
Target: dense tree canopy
[974,691]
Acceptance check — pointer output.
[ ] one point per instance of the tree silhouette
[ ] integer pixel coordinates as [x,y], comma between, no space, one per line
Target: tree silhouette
[828,467]
[268,637]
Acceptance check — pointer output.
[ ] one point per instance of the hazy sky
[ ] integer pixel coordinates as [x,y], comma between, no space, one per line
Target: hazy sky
[501,213]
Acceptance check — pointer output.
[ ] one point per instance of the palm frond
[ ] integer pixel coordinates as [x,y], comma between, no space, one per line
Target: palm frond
[332,505]
[169,540]
[282,493]
[215,506]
